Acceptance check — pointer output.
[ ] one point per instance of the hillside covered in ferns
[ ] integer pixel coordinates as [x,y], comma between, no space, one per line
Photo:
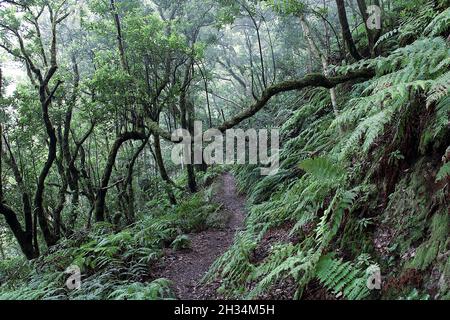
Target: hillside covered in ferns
[91,92]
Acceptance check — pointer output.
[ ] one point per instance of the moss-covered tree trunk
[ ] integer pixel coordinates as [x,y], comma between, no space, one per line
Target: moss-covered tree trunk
[104,185]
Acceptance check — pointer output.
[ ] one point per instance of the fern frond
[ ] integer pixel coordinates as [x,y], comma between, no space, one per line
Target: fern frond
[440,88]
[342,277]
[444,172]
[322,168]
[439,25]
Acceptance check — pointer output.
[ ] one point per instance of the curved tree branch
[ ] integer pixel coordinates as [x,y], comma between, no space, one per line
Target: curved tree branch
[311,80]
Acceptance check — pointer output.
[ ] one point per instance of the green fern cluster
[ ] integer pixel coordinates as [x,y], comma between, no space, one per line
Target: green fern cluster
[114,265]
[298,265]
[343,278]
[303,202]
[234,266]
[420,68]
[429,18]
[158,289]
[323,180]
[439,25]
[305,191]
[437,243]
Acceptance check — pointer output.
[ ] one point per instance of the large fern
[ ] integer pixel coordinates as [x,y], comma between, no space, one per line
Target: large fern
[342,277]
[421,67]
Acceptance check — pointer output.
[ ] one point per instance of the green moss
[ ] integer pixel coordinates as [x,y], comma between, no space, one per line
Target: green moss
[407,210]
[444,282]
[427,252]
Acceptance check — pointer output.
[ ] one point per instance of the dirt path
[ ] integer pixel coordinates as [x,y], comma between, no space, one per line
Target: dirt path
[186,269]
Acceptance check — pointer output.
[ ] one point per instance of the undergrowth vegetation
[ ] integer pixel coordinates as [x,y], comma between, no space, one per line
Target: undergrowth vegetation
[364,192]
[360,205]
[114,265]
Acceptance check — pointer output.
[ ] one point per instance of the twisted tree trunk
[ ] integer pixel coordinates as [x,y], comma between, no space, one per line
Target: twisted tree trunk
[103,189]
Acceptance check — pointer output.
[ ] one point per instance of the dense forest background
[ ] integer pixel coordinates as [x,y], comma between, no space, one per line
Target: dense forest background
[91,91]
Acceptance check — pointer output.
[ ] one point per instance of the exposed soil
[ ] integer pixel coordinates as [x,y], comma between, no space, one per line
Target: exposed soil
[186,268]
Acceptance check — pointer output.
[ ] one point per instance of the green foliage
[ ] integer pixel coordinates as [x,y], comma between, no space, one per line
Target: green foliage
[363,180]
[437,242]
[444,285]
[157,289]
[300,202]
[444,172]
[284,262]
[342,277]
[420,68]
[182,242]
[416,295]
[12,270]
[322,168]
[114,265]
[406,213]
[234,266]
[421,17]
[334,184]
[439,25]
[331,219]
[287,6]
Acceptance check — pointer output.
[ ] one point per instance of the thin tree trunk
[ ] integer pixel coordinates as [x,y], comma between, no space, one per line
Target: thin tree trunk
[72,174]
[129,190]
[192,184]
[1,171]
[372,35]
[49,236]
[2,251]
[1,140]
[123,58]
[26,199]
[103,188]
[324,60]
[346,33]
[208,105]
[57,225]
[40,79]
[162,170]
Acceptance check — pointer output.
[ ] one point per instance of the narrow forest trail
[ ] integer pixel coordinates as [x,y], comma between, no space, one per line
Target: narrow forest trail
[186,268]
